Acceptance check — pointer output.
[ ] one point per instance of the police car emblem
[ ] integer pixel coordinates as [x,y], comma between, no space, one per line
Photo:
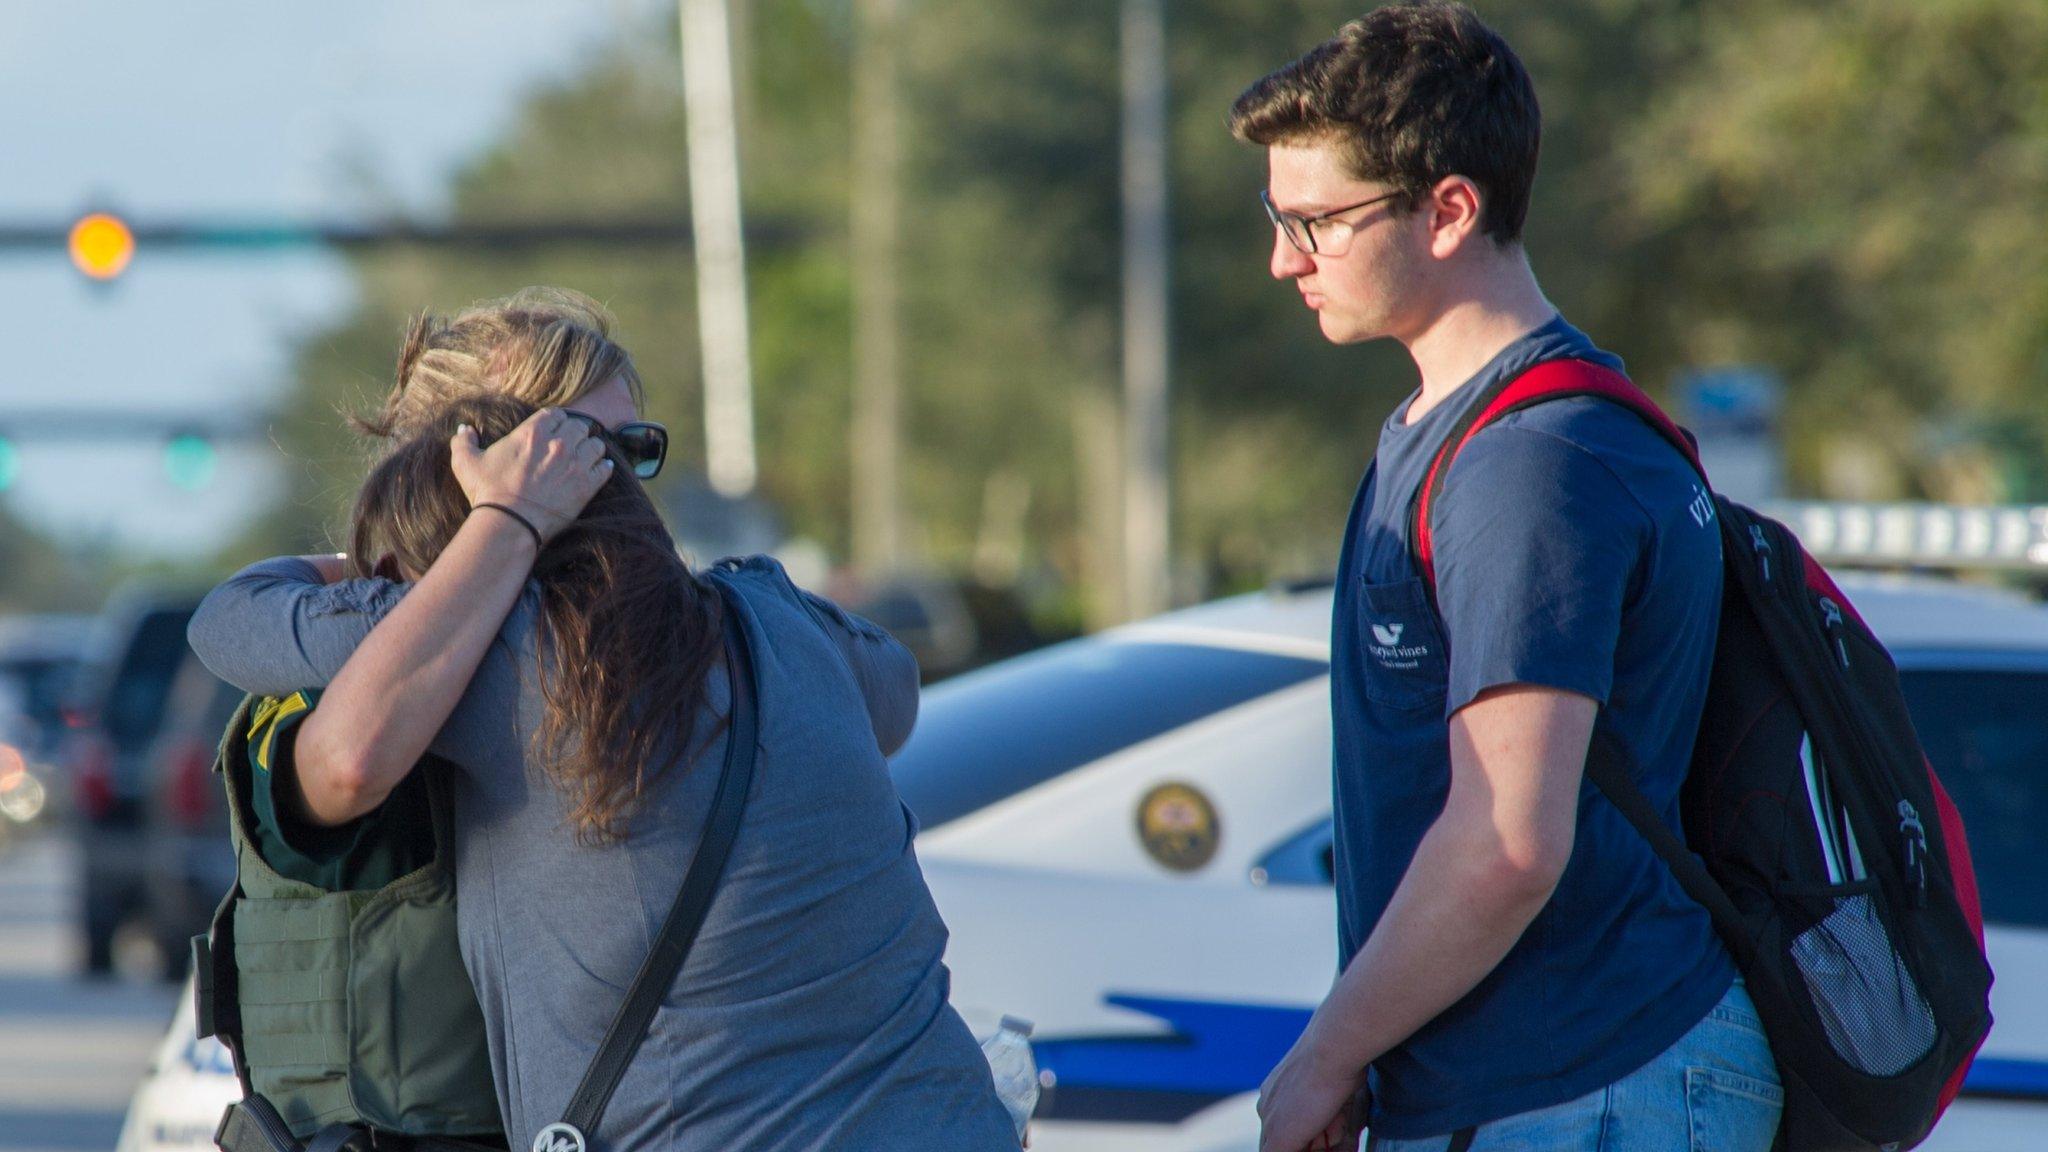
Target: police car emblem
[559,1138]
[1178,826]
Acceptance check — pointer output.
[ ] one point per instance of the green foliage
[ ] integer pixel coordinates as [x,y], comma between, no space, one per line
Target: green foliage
[1848,191]
[1844,190]
[39,575]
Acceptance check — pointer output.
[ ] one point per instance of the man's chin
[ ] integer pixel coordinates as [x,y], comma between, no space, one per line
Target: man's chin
[1345,330]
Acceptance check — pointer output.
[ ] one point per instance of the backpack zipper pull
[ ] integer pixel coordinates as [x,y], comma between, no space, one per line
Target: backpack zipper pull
[1831,623]
[1762,548]
[1916,851]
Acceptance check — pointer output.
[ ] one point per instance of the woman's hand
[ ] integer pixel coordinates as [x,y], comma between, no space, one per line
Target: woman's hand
[548,468]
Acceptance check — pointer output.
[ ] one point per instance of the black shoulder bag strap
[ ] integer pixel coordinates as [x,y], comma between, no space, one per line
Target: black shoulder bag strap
[685,917]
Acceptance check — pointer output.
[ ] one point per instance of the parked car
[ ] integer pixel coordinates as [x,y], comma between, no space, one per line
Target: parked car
[1129,838]
[190,1082]
[190,858]
[40,658]
[950,624]
[123,689]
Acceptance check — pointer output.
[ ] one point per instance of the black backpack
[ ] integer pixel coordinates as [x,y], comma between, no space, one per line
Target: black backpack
[1828,853]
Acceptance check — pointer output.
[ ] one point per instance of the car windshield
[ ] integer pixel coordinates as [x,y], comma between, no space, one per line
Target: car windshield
[990,734]
[1985,735]
[45,685]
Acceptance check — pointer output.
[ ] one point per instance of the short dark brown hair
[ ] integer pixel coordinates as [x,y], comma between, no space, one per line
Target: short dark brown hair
[1411,93]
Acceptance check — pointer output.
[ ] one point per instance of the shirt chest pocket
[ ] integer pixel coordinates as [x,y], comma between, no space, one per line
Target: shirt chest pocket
[1404,648]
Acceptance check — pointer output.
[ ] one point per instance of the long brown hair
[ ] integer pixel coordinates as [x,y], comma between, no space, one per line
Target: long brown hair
[629,632]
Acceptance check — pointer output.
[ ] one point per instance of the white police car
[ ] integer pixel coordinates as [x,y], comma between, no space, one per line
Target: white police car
[189,1083]
[1129,836]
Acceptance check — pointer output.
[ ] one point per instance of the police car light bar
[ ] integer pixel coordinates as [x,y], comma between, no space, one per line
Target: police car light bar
[2010,537]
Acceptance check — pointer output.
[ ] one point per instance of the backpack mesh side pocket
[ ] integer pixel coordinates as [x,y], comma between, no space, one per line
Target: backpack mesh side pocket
[1869,1004]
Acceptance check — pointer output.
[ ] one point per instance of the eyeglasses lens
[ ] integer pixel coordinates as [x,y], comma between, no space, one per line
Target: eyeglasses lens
[1291,226]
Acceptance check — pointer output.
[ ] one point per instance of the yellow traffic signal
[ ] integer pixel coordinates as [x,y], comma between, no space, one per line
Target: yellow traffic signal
[101,245]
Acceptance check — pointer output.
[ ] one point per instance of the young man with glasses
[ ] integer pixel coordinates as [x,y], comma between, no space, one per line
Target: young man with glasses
[1519,970]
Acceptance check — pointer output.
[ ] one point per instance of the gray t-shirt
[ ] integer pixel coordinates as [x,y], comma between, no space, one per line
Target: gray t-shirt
[812,1012]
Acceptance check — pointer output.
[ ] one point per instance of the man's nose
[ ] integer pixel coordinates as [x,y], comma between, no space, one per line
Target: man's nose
[1288,261]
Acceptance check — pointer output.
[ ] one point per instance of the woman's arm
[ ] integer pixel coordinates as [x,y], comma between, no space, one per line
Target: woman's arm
[278,626]
[384,706]
[416,654]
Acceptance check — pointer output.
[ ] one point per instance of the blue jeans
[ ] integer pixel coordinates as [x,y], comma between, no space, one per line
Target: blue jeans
[1715,1090]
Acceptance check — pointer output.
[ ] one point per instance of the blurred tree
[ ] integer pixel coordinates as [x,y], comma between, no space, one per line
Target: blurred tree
[1016,289]
[1847,191]
[605,144]
[38,575]
[1840,190]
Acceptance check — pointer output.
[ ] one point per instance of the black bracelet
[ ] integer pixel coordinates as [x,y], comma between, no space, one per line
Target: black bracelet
[538,544]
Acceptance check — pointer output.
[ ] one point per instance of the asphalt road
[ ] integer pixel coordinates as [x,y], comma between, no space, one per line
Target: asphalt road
[71,1051]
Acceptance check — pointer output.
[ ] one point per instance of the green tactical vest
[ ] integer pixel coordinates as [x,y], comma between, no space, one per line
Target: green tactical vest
[346,1007]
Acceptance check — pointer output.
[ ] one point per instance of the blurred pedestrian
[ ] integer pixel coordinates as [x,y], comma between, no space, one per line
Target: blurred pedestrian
[1519,970]
[559,655]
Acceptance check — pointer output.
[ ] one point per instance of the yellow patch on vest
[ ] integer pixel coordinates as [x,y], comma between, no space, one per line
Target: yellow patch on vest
[270,714]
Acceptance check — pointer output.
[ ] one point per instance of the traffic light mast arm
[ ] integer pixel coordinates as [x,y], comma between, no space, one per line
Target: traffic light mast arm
[247,235]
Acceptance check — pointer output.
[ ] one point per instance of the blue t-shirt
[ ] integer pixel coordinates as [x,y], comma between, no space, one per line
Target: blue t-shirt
[1573,549]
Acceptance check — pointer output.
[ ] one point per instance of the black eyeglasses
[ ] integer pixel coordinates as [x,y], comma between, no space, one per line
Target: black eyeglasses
[1301,230]
[643,443]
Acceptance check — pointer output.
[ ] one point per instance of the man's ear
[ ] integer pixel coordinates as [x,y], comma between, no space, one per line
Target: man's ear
[1454,208]
[387,567]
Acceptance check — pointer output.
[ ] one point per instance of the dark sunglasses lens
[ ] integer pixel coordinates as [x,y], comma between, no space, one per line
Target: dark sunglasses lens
[645,446]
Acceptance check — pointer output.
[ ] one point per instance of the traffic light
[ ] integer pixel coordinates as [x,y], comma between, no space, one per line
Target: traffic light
[189,460]
[10,463]
[101,245]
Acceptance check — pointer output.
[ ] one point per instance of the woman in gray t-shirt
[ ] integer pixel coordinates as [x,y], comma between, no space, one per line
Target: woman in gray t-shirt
[812,1012]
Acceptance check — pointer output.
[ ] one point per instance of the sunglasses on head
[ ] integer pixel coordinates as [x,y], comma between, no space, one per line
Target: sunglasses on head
[643,443]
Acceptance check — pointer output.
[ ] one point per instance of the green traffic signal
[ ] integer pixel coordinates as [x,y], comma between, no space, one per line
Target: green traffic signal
[189,460]
[10,464]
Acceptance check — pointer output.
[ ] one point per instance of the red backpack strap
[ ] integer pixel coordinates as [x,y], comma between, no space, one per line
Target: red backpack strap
[1551,380]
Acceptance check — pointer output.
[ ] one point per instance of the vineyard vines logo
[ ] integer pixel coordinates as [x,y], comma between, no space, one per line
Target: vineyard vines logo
[558,1138]
[1393,654]
[1702,506]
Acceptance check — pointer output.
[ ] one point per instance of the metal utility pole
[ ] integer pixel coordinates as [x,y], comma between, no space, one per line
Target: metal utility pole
[1146,463]
[877,370]
[721,258]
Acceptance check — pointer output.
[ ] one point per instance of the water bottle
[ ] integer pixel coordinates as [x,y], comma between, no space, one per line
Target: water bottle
[1015,1070]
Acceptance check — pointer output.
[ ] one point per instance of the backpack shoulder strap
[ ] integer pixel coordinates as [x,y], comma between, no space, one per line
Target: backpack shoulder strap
[686,916]
[1551,380]
[1607,766]
[1607,761]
